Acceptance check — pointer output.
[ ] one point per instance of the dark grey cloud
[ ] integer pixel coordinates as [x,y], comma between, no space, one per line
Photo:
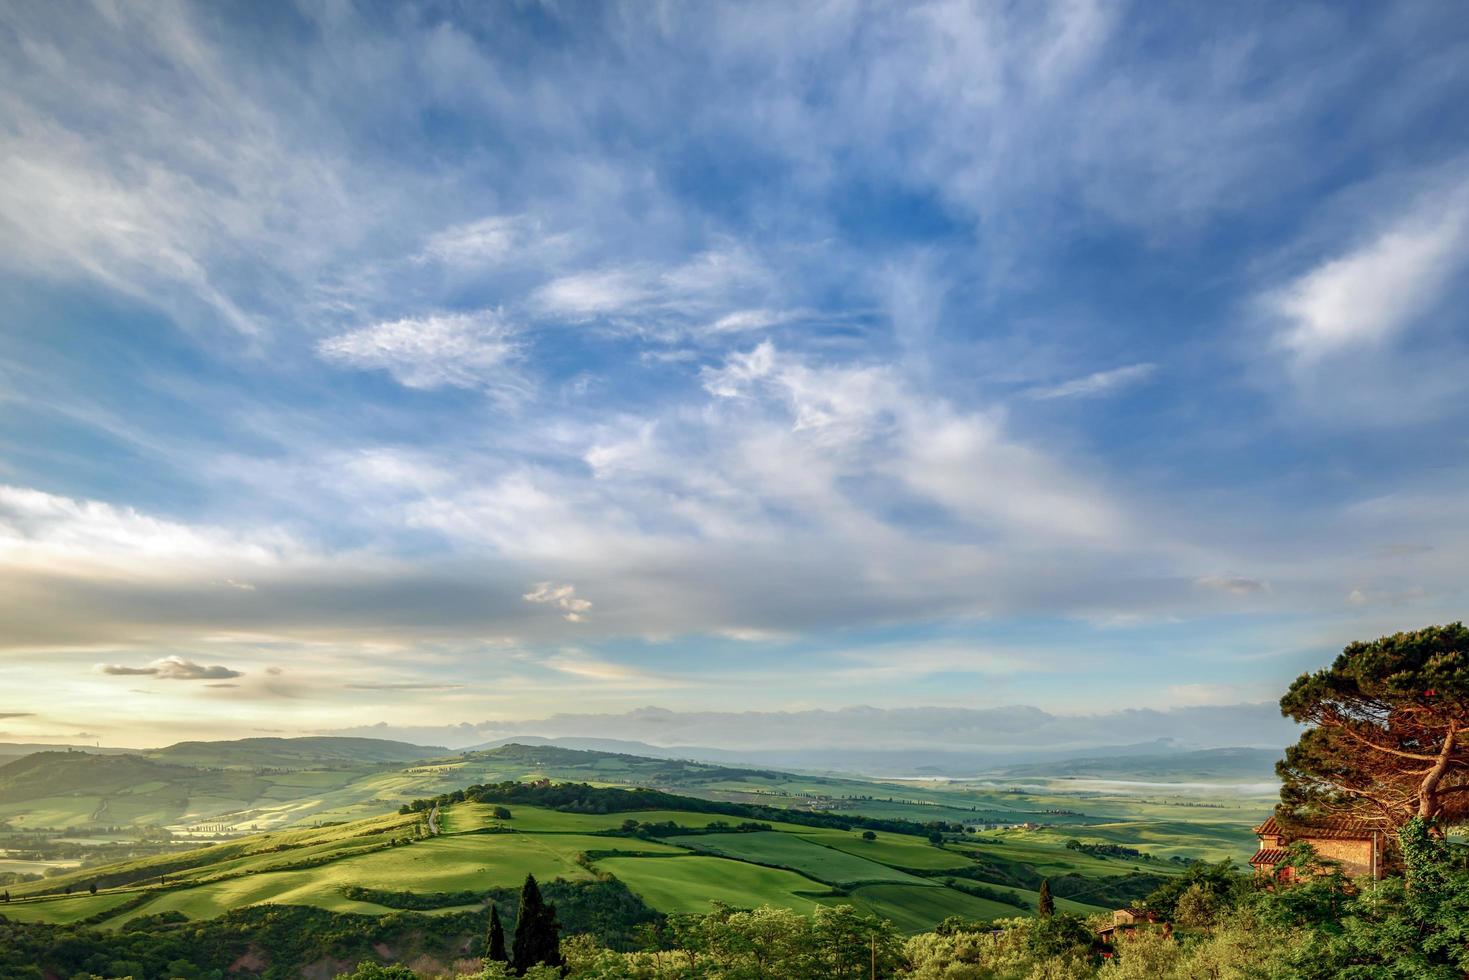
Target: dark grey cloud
[173,669]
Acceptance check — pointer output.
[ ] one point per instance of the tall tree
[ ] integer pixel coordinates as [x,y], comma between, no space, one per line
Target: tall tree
[495,940]
[537,933]
[1389,735]
[1045,905]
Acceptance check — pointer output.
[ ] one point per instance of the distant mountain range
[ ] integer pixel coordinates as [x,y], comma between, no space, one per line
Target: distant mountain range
[1210,765]
[1145,761]
[252,753]
[1156,760]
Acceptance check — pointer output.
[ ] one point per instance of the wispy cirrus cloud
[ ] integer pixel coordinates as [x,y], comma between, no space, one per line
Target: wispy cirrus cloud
[1096,384]
[1370,293]
[789,372]
[460,350]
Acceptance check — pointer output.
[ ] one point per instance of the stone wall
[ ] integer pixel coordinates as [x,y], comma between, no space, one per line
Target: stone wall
[1354,856]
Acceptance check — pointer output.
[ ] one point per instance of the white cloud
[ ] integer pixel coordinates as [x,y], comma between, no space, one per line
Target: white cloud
[739,369]
[582,666]
[46,530]
[742,320]
[1098,383]
[722,290]
[1366,296]
[488,240]
[461,350]
[137,160]
[563,597]
[586,294]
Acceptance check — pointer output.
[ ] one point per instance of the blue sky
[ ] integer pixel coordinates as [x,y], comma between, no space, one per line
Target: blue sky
[427,364]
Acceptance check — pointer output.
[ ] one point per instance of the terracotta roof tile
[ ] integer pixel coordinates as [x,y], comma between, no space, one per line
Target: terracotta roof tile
[1329,827]
[1268,857]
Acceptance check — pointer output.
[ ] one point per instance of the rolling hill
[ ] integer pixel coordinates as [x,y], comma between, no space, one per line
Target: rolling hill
[684,859]
[312,752]
[299,782]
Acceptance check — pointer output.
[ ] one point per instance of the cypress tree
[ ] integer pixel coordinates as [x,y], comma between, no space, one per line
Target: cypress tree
[1045,907]
[537,933]
[495,941]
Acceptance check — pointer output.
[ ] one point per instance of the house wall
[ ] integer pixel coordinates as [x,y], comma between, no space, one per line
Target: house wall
[1355,856]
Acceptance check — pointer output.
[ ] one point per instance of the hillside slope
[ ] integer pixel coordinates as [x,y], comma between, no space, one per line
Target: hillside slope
[671,861]
[310,752]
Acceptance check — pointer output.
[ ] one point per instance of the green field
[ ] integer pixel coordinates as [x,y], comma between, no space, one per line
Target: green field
[334,827]
[798,854]
[690,884]
[62,909]
[896,850]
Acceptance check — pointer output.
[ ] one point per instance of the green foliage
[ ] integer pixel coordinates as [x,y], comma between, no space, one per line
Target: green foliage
[288,938]
[1196,907]
[1108,850]
[375,971]
[1386,720]
[1061,935]
[1222,881]
[1045,905]
[537,933]
[585,798]
[731,944]
[411,901]
[495,940]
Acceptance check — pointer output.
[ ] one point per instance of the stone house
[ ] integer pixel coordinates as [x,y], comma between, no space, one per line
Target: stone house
[1126,922]
[1357,845]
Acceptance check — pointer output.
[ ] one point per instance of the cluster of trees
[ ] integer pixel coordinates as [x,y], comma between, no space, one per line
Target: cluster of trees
[669,828]
[585,798]
[1389,732]
[1108,850]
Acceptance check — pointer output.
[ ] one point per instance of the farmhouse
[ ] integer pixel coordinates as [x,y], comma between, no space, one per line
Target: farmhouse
[1126,922]
[1356,845]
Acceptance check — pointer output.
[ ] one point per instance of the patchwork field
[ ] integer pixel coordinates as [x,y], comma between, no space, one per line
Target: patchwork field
[329,835]
[792,866]
[691,884]
[778,850]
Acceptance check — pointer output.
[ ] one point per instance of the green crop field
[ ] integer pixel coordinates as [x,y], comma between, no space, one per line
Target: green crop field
[690,884]
[896,850]
[813,860]
[62,909]
[329,827]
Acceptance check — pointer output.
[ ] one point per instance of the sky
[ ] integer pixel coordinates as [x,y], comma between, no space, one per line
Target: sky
[416,364]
